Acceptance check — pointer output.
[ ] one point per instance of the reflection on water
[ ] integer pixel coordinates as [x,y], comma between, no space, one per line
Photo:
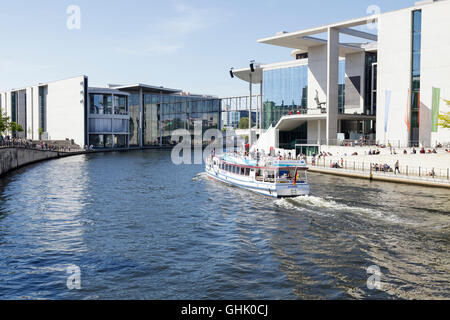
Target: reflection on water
[140,227]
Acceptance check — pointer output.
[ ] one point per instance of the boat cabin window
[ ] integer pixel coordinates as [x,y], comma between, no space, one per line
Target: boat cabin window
[301,176]
[247,171]
[258,175]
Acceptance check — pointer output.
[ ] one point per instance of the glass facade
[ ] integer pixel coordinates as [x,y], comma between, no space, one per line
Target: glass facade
[415,76]
[14,107]
[115,119]
[101,140]
[120,105]
[369,95]
[151,119]
[341,87]
[101,104]
[42,109]
[108,122]
[120,140]
[284,90]
[134,120]
[182,112]
[100,125]
[162,118]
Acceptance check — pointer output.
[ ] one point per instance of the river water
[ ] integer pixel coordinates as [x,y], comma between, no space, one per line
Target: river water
[139,227]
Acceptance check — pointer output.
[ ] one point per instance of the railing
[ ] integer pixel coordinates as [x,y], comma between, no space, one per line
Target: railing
[17,143]
[394,144]
[382,169]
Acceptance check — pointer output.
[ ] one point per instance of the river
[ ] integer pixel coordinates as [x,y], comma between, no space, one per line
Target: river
[139,227]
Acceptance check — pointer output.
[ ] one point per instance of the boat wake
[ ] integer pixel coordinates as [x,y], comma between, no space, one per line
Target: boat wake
[201,176]
[331,208]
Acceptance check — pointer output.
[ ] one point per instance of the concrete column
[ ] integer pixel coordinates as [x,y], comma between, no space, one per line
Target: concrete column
[32,113]
[141,118]
[318,132]
[332,83]
[160,117]
[250,113]
[260,106]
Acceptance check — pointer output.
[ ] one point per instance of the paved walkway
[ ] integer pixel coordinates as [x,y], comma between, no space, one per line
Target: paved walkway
[414,169]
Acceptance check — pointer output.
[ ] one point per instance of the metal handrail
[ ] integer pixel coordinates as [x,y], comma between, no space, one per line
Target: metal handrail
[369,167]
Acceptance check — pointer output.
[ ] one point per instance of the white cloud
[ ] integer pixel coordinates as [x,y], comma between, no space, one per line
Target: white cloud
[167,35]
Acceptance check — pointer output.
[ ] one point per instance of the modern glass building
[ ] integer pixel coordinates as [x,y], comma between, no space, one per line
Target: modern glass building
[386,85]
[117,116]
[285,91]
[156,112]
[108,118]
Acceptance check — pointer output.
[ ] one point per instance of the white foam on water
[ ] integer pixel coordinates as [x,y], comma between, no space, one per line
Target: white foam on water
[286,204]
[318,202]
[200,176]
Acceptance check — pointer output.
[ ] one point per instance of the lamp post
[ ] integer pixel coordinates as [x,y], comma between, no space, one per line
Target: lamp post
[252,70]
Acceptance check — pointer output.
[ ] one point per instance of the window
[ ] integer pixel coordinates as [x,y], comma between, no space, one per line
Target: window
[415,76]
[120,105]
[284,90]
[42,108]
[101,104]
[101,140]
[119,125]
[302,56]
[100,125]
[14,106]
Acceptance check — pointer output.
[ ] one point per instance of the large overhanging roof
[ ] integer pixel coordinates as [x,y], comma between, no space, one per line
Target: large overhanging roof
[244,74]
[106,91]
[303,40]
[145,88]
[303,44]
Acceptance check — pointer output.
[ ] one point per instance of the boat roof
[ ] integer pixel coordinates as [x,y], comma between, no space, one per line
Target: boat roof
[269,162]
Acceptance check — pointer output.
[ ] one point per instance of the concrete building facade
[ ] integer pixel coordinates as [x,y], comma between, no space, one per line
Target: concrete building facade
[386,87]
[116,116]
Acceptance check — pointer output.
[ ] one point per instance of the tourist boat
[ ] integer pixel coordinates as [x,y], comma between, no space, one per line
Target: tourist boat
[269,176]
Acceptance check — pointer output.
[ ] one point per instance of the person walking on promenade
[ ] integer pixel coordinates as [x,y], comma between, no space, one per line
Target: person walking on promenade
[397,167]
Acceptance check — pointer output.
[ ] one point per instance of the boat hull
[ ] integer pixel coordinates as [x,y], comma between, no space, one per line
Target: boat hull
[267,189]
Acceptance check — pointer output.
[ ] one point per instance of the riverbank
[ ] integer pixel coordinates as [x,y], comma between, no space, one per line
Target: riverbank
[430,169]
[12,158]
[429,182]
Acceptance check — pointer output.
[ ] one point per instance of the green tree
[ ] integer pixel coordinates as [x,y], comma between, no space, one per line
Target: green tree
[243,123]
[445,117]
[7,126]
[41,132]
[444,120]
[15,127]
[4,123]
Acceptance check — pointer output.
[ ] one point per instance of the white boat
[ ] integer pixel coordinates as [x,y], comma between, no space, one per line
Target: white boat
[269,176]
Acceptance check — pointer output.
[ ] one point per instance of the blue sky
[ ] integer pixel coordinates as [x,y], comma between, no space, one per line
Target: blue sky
[189,45]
